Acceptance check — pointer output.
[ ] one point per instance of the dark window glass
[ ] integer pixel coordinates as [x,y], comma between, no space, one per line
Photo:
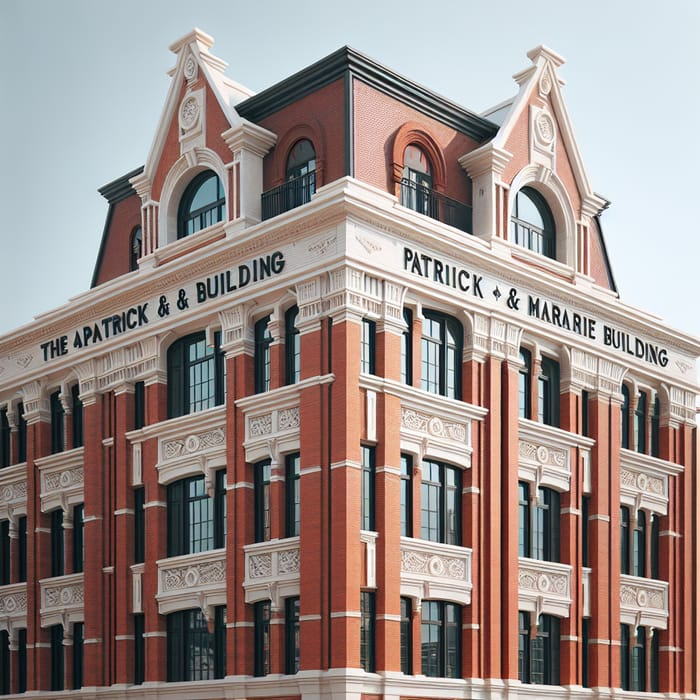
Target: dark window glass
[538,657]
[367,617]
[77,411]
[585,414]
[56,422]
[654,663]
[367,501]
[263,340]
[640,423]
[292,646]
[441,634]
[532,224]
[293,494]
[407,348]
[22,434]
[585,651]
[625,418]
[139,650]
[4,663]
[585,508]
[262,638]
[538,524]
[441,355]
[139,405]
[195,519]
[417,182]
[139,525]
[57,657]
[638,667]
[192,649]
[4,552]
[5,459]
[524,519]
[300,174]
[57,557]
[22,548]
[196,378]
[524,386]
[292,346]
[78,538]
[406,636]
[625,657]
[655,418]
[441,498]
[367,347]
[262,477]
[22,660]
[135,248]
[654,547]
[78,639]
[202,204]
[624,540]
[639,545]
[406,496]
[548,393]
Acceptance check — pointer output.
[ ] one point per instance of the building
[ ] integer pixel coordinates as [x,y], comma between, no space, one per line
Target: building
[353,409]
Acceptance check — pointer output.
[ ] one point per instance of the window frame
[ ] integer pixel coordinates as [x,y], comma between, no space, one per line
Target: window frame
[262,500]
[540,239]
[546,644]
[5,439]
[78,654]
[447,631]
[407,348]
[78,538]
[187,630]
[292,346]
[57,422]
[548,387]
[443,491]
[135,247]
[261,638]
[539,523]
[57,543]
[367,631]
[367,496]
[406,636]
[262,358]
[406,495]
[292,494]
[77,436]
[292,629]
[368,343]
[184,212]
[438,362]
[525,384]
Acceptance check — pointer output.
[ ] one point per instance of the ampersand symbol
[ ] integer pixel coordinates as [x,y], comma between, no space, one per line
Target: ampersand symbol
[163,307]
[182,301]
[513,301]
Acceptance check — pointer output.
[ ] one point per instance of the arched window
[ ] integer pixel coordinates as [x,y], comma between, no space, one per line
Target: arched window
[417,182]
[202,204]
[301,173]
[532,224]
[135,248]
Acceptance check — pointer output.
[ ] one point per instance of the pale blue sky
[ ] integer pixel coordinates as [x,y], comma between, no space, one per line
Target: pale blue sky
[83,85]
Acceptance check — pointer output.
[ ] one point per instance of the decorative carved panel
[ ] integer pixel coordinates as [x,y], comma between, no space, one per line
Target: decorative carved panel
[272,570]
[544,587]
[643,602]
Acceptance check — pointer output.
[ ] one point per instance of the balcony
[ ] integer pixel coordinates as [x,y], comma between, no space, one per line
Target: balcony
[61,478]
[62,599]
[437,571]
[272,570]
[544,587]
[427,201]
[192,581]
[288,195]
[643,601]
[13,606]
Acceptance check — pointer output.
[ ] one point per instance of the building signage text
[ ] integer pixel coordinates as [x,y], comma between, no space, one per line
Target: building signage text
[516,300]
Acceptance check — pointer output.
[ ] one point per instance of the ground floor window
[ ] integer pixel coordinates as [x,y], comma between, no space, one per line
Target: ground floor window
[538,654]
[441,635]
[195,653]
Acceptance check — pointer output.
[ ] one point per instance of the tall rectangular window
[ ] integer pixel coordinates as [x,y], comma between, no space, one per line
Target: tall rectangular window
[406,636]
[654,663]
[57,545]
[22,548]
[639,545]
[195,519]
[524,386]
[406,496]
[5,459]
[262,638]
[655,424]
[78,656]
[538,524]
[441,498]
[57,414]
[139,405]
[139,525]
[22,660]
[441,355]
[262,357]
[585,652]
[139,649]
[625,676]
[654,547]
[407,349]
[192,653]
[262,478]
[293,494]
[78,537]
[538,656]
[77,415]
[640,423]
[4,663]
[524,519]
[367,502]
[367,347]
[21,434]
[292,641]
[638,668]
[367,620]
[625,418]
[441,635]
[585,508]
[292,346]
[548,393]
[4,552]
[585,414]
[57,657]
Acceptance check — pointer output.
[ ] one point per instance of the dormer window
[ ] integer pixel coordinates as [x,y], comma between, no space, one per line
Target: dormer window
[532,223]
[417,182]
[135,248]
[202,204]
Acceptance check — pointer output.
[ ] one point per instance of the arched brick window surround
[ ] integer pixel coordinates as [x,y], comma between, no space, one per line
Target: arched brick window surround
[409,134]
[312,133]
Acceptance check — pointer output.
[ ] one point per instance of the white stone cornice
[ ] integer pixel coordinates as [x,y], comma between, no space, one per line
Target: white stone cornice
[249,137]
[486,159]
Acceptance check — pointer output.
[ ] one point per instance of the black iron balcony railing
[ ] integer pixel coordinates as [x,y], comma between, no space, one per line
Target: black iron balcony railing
[288,195]
[435,205]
